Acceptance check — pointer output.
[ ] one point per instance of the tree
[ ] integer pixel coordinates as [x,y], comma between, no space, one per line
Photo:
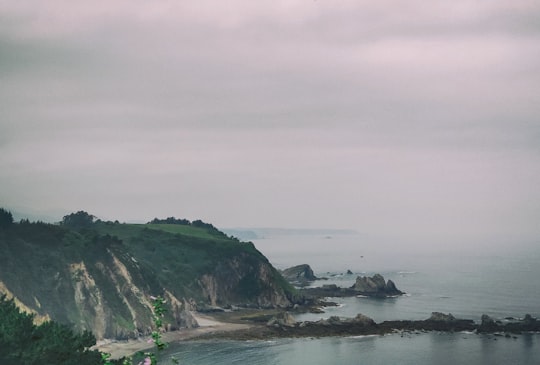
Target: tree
[81,219]
[6,218]
[23,343]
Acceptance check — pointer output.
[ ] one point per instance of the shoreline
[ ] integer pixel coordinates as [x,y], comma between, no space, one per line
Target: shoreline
[207,326]
[232,326]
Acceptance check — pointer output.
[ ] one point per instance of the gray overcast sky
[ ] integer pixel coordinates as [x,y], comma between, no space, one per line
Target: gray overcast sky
[416,119]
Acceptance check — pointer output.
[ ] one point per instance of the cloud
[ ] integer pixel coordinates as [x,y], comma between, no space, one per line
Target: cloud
[417,119]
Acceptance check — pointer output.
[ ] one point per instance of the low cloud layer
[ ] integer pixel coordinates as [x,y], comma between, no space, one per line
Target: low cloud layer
[415,120]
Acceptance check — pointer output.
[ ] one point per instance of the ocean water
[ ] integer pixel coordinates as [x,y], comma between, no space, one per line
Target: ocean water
[467,281]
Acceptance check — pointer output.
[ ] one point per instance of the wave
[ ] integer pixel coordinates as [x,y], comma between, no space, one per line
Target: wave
[363,336]
[339,305]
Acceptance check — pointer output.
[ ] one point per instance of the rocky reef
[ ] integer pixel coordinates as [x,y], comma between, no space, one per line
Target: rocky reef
[284,325]
[374,286]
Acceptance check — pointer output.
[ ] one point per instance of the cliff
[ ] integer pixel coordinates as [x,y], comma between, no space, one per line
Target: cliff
[98,276]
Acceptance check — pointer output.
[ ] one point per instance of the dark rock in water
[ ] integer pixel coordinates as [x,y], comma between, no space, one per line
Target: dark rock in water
[528,319]
[487,324]
[330,287]
[364,320]
[300,275]
[363,325]
[334,320]
[391,287]
[486,320]
[349,272]
[441,317]
[375,286]
[316,310]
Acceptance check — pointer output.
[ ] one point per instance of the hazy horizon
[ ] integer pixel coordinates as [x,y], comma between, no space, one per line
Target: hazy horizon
[418,122]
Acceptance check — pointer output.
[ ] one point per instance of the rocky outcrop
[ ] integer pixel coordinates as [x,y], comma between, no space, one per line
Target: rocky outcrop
[359,320]
[282,319]
[300,275]
[441,317]
[364,320]
[187,320]
[487,324]
[362,325]
[375,286]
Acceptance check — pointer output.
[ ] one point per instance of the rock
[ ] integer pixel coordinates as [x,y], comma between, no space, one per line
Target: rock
[300,275]
[441,317]
[487,324]
[333,320]
[391,287]
[364,320]
[375,286]
[528,319]
[282,319]
[187,320]
[330,287]
[349,272]
[372,284]
[486,320]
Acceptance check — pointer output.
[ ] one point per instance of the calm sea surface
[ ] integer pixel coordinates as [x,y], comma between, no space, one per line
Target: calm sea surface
[467,282]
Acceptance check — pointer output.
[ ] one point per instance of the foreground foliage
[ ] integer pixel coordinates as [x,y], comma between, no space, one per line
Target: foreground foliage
[24,343]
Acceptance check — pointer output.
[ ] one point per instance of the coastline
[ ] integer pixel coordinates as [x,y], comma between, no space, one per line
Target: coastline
[207,326]
[232,326]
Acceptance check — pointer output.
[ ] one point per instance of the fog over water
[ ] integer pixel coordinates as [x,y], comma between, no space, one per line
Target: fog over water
[414,125]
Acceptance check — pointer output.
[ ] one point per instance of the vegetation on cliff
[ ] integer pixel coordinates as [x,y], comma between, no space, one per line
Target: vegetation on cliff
[50,343]
[97,275]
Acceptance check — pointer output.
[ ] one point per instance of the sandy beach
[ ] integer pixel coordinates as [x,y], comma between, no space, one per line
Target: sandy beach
[207,324]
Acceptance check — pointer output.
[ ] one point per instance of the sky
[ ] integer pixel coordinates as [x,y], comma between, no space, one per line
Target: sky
[412,119]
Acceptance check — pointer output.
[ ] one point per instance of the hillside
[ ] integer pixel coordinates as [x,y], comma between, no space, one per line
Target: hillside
[99,275]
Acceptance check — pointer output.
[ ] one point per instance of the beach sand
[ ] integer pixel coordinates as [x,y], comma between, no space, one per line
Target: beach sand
[207,324]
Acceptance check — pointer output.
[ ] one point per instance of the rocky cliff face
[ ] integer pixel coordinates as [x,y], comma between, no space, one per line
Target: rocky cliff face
[103,283]
[243,281]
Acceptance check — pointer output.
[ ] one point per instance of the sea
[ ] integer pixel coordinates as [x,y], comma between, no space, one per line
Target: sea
[461,278]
